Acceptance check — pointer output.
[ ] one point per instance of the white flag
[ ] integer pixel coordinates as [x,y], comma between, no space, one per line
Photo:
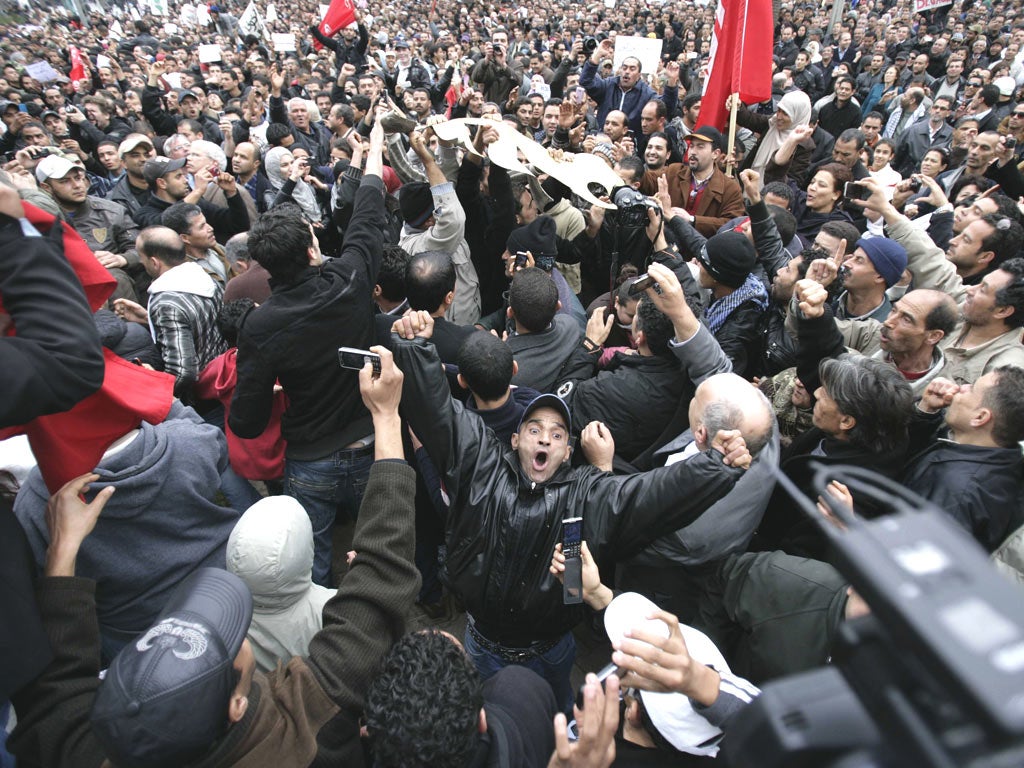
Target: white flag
[251,22]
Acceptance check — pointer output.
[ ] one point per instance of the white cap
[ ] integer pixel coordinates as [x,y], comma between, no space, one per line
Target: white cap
[54,167]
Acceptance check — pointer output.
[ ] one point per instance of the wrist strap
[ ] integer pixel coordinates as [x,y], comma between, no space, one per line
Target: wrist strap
[590,345]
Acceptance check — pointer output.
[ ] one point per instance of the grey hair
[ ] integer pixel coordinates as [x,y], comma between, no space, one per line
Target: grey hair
[725,415]
[212,151]
[237,249]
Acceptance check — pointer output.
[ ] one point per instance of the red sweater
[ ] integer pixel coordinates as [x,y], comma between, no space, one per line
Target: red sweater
[261,458]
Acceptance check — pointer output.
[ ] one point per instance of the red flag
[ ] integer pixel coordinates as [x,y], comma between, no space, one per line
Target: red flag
[70,444]
[741,58]
[77,67]
[339,15]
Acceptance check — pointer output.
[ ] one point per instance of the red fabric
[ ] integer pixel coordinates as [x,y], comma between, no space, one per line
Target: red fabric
[339,15]
[77,67]
[741,59]
[72,443]
[259,458]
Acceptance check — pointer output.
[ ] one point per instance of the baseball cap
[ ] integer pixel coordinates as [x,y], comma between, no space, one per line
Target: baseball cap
[6,104]
[165,696]
[729,257]
[49,113]
[185,93]
[54,167]
[672,714]
[547,401]
[401,43]
[708,134]
[158,167]
[131,141]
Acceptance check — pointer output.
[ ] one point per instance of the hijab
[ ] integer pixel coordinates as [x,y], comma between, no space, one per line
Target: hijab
[303,194]
[798,107]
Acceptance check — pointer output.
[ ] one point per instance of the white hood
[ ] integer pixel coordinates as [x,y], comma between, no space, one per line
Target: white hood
[185,278]
[271,550]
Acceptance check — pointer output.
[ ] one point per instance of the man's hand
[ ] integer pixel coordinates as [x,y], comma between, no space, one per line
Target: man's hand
[598,444]
[823,271]
[419,146]
[878,201]
[595,594]
[418,324]
[664,200]
[663,664]
[381,394]
[599,327]
[730,443]
[10,202]
[605,50]
[751,181]
[811,297]
[938,395]
[226,182]
[671,300]
[597,725]
[276,80]
[128,310]
[69,520]
[840,495]
[936,194]
[110,260]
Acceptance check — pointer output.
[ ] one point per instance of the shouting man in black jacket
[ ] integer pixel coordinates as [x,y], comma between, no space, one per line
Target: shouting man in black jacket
[506,505]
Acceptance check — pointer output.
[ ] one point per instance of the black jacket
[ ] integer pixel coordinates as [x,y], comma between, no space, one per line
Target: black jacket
[294,338]
[634,396]
[981,488]
[225,221]
[502,528]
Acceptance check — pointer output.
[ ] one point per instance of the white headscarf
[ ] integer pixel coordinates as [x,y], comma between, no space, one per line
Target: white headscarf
[303,194]
[797,105]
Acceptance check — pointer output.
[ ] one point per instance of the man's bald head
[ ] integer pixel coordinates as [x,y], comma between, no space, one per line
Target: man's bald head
[161,243]
[728,401]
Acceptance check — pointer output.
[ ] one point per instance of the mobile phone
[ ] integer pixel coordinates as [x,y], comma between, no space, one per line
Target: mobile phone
[1010,142]
[915,184]
[578,94]
[856,191]
[640,284]
[9,156]
[572,579]
[603,675]
[521,259]
[354,359]
[23,107]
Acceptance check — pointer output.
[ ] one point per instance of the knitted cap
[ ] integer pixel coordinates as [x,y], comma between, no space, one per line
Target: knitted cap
[888,256]
[729,257]
[538,237]
[416,202]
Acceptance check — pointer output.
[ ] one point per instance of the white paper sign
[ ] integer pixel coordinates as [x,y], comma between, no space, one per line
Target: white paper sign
[208,53]
[283,42]
[647,49]
[42,71]
[271,13]
[159,7]
[173,79]
[202,15]
[251,23]
[102,61]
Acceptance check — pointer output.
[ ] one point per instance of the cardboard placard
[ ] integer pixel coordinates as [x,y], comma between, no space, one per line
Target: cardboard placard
[283,42]
[646,49]
[209,53]
[42,71]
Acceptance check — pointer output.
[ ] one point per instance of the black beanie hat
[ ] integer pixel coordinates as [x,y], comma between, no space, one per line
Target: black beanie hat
[416,202]
[538,237]
[729,257]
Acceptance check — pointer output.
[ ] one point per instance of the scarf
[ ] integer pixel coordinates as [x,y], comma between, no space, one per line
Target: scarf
[303,194]
[719,311]
[798,107]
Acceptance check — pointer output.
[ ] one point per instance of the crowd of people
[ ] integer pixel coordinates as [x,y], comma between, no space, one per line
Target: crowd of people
[254,297]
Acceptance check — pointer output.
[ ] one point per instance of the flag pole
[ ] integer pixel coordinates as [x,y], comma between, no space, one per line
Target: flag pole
[733,106]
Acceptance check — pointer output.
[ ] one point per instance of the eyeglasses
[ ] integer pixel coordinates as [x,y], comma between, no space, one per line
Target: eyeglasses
[1018,114]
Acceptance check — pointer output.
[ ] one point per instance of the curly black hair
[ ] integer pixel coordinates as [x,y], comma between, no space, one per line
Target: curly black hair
[422,709]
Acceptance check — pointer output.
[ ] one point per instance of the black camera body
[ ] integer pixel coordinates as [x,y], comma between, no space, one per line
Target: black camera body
[589,44]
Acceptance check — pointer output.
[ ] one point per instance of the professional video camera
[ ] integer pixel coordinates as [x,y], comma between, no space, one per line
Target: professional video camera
[934,676]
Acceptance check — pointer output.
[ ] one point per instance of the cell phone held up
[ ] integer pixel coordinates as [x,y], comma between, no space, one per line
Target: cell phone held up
[572,549]
[640,284]
[354,359]
[856,191]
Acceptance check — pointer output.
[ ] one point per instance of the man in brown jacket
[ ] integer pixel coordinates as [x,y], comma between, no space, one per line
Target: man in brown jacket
[187,691]
[706,197]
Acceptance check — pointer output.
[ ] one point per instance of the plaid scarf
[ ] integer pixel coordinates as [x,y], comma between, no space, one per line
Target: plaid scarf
[719,311]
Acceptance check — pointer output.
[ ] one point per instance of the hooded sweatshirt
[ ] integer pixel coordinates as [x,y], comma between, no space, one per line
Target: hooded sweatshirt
[271,550]
[159,526]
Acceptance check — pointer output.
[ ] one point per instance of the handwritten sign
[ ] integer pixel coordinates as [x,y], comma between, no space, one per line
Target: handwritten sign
[646,49]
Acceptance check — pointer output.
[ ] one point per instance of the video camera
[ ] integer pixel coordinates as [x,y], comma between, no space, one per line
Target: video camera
[632,208]
[934,676]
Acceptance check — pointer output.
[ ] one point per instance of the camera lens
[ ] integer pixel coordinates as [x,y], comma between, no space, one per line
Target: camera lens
[589,44]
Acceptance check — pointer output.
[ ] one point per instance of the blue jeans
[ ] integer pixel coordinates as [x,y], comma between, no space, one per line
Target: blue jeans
[554,665]
[325,487]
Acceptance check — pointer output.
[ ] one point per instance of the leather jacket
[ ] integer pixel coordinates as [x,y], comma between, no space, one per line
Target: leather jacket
[501,528]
